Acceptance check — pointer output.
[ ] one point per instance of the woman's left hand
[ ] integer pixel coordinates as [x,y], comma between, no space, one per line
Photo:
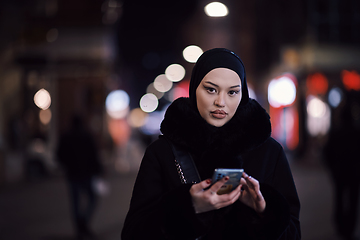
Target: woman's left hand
[251,195]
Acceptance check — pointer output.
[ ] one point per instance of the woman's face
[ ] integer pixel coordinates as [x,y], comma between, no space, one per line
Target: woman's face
[218,96]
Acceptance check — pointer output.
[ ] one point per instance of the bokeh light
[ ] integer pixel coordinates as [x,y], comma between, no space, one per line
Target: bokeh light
[281,92]
[316,108]
[117,104]
[180,90]
[318,117]
[162,83]
[216,9]
[192,53]
[317,83]
[152,123]
[149,102]
[175,72]
[335,97]
[351,80]
[45,116]
[151,89]
[137,118]
[42,99]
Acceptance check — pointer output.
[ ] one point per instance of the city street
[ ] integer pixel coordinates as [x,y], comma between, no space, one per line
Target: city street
[39,210]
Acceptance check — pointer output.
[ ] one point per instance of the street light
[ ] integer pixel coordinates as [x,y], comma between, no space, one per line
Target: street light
[216,9]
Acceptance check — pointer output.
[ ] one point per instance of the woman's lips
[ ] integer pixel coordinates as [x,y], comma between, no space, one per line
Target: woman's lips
[218,114]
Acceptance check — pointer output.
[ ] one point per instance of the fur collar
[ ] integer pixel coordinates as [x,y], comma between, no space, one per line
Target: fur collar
[249,128]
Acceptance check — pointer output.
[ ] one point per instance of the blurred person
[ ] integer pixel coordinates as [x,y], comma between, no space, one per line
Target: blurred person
[341,155]
[220,127]
[77,154]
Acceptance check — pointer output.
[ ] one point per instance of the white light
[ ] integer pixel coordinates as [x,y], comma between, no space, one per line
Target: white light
[216,9]
[175,72]
[335,97]
[151,89]
[318,117]
[192,53]
[281,92]
[117,104]
[42,99]
[316,108]
[162,83]
[149,102]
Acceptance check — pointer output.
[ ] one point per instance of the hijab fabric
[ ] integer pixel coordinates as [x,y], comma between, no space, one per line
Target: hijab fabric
[218,58]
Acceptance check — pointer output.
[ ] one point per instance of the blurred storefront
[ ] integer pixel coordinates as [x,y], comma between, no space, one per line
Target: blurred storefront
[78,52]
[56,60]
[322,73]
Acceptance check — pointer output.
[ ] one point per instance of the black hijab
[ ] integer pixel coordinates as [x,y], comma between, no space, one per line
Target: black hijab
[247,129]
[217,58]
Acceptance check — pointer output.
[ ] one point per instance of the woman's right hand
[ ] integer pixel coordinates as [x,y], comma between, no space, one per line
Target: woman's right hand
[207,200]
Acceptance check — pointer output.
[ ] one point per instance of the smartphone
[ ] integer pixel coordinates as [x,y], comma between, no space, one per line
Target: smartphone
[234,178]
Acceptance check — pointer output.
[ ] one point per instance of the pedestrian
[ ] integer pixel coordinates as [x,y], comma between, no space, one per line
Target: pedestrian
[77,154]
[218,126]
[341,155]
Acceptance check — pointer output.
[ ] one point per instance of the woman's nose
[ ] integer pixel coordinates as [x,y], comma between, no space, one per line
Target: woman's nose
[220,101]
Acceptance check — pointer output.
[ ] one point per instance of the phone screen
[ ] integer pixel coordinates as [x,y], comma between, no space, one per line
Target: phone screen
[232,183]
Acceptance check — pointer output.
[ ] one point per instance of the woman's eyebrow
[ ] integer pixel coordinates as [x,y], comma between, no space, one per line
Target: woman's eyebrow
[215,85]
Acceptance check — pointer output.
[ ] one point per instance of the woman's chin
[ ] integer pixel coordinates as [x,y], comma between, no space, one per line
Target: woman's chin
[216,122]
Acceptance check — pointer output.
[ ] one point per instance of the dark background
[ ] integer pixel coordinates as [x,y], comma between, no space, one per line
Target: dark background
[98,46]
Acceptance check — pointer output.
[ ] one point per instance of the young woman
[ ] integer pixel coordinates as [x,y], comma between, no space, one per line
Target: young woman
[220,127]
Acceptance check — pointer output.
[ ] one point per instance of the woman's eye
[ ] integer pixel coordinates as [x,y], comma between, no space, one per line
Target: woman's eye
[232,92]
[210,90]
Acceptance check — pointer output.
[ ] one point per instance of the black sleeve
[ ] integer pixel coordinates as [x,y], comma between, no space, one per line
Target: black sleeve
[158,211]
[280,219]
[283,183]
[180,220]
[143,220]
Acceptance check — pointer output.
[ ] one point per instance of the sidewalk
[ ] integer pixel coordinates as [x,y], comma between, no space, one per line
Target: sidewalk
[40,210]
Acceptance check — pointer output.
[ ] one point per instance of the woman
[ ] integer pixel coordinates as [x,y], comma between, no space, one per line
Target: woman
[221,127]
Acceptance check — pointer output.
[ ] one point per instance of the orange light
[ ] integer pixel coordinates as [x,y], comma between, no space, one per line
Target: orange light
[292,140]
[119,131]
[317,83]
[351,80]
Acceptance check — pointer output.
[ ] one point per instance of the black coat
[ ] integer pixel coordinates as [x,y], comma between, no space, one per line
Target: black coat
[161,207]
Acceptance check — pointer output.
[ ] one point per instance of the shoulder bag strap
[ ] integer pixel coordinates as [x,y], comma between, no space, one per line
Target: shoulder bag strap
[185,165]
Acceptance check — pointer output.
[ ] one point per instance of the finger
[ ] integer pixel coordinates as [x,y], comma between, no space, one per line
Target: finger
[218,184]
[231,197]
[227,199]
[253,188]
[260,197]
[235,194]
[252,182]
[201,185]
[243,181]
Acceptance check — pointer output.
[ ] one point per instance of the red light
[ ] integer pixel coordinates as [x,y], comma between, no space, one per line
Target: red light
[181,89]
[351,80]
[317,83]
